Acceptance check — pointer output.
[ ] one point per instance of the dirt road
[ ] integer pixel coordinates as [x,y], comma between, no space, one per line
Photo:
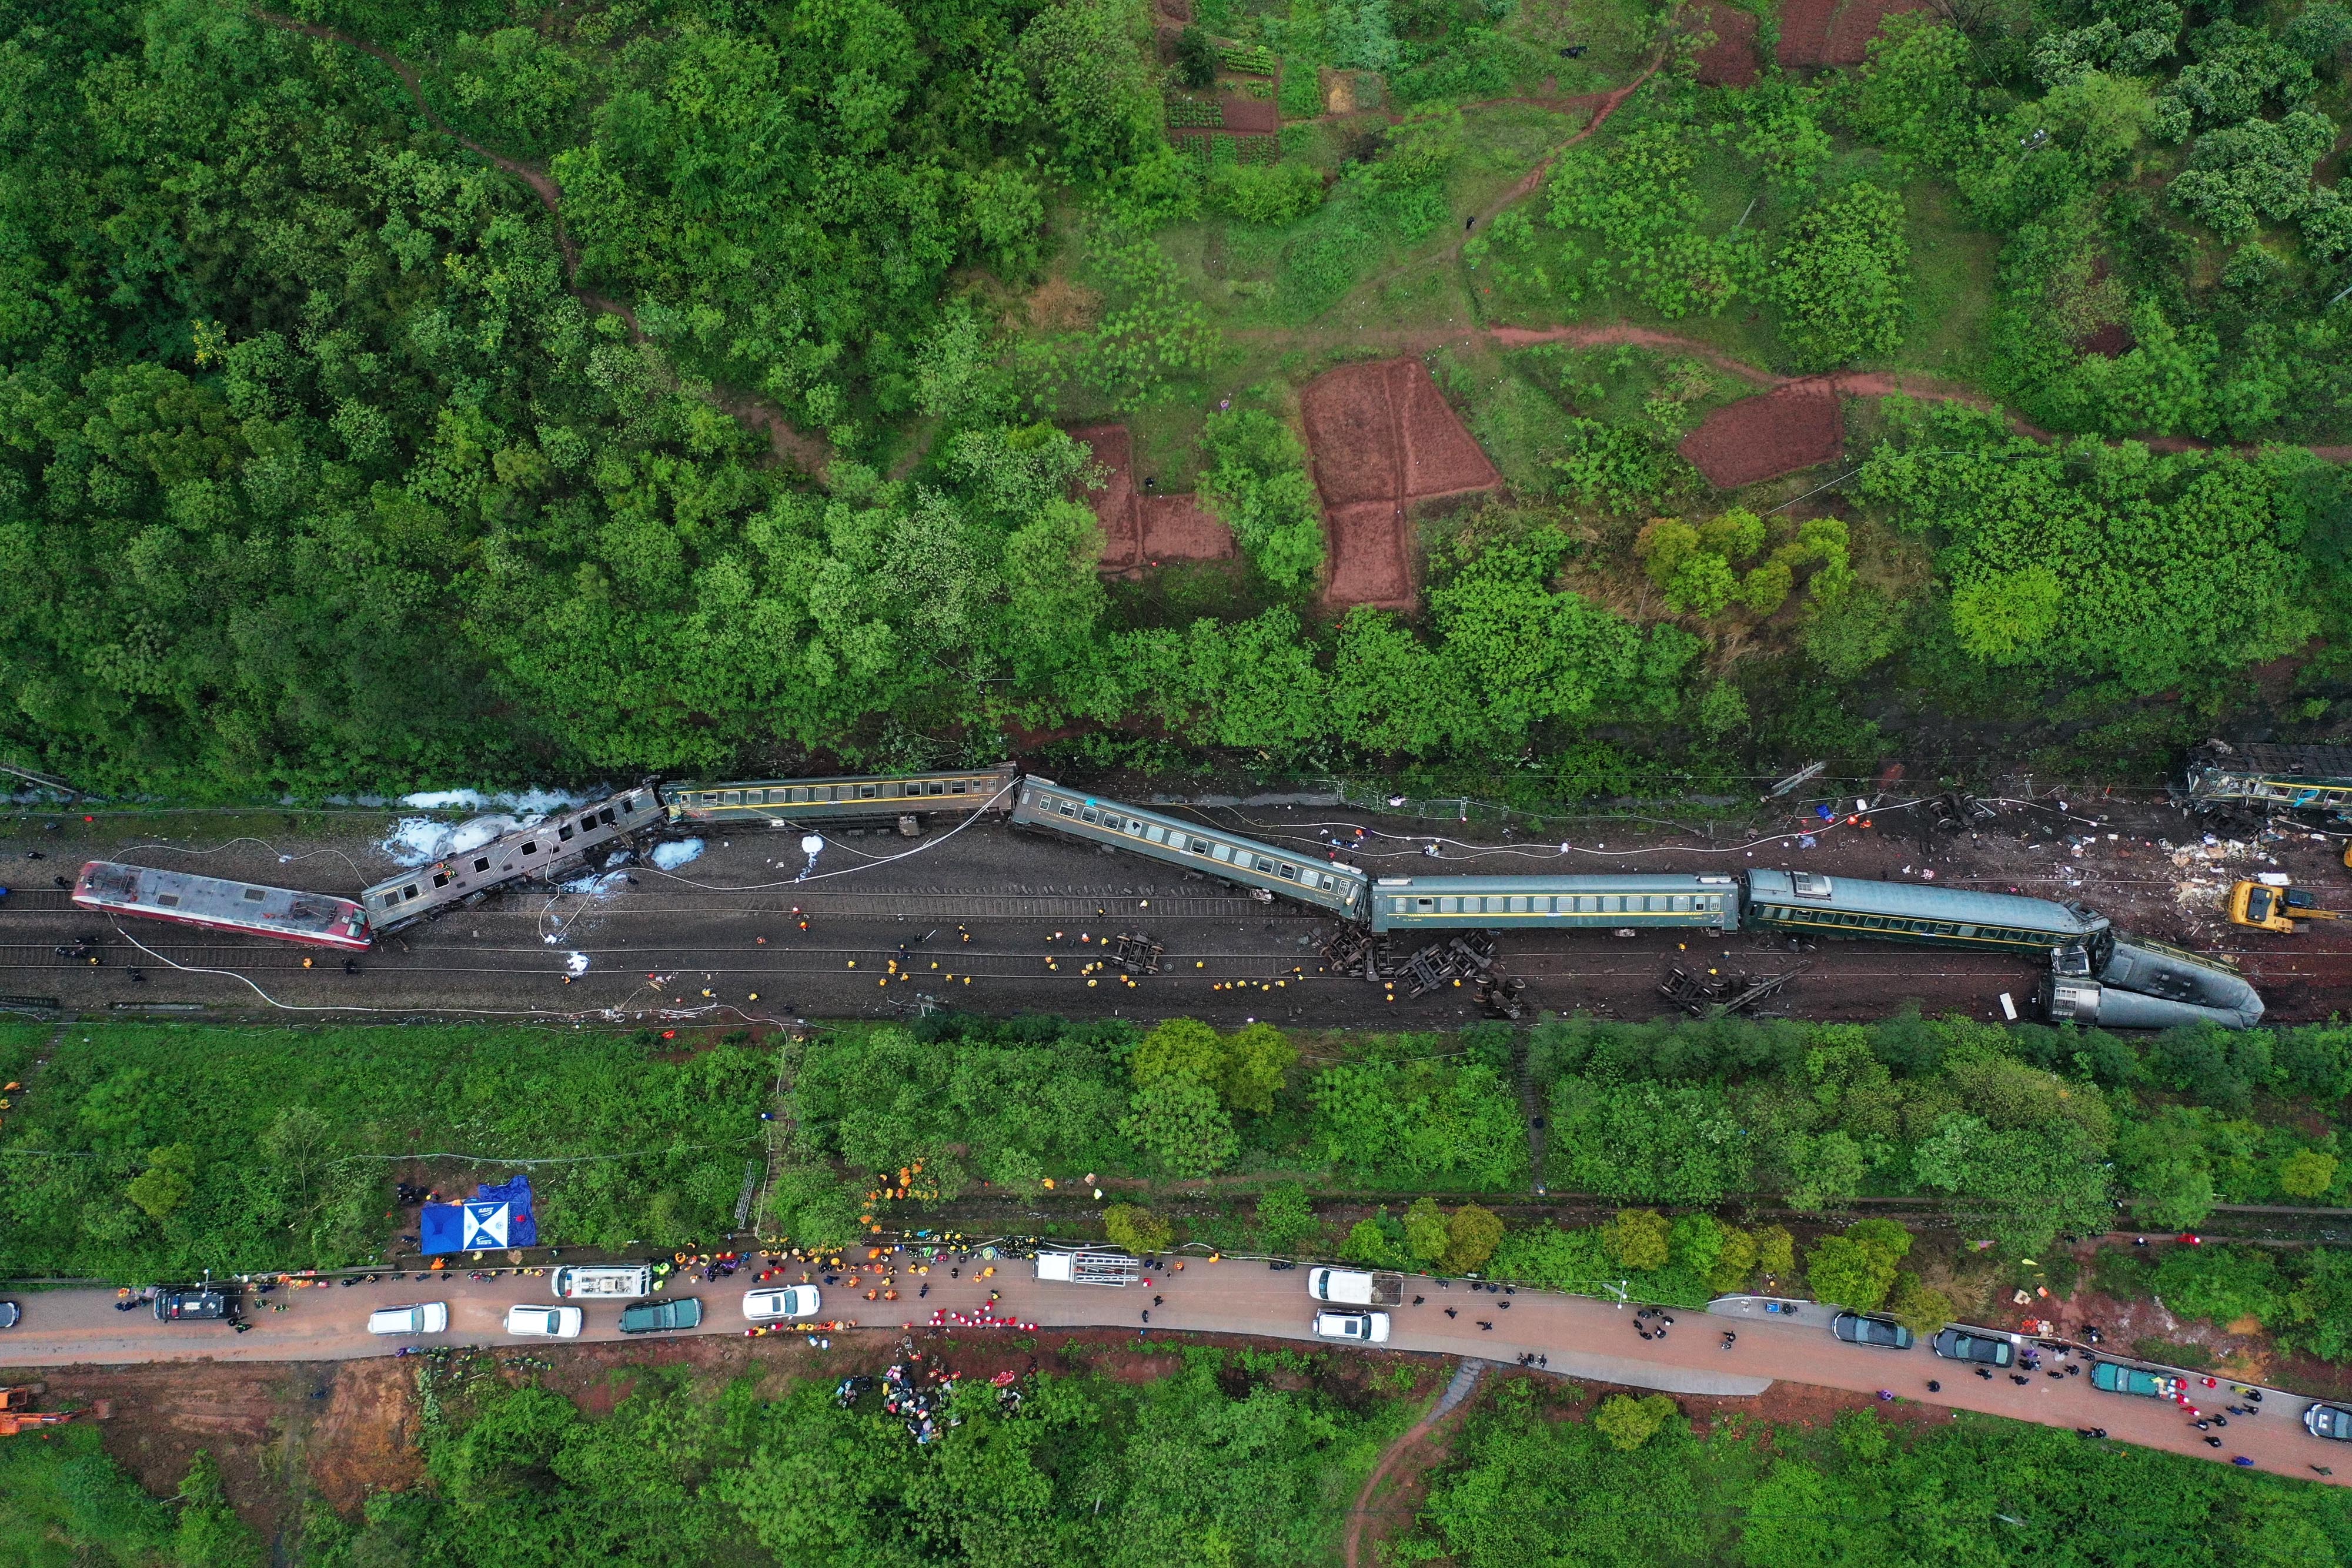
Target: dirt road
[1581,1338]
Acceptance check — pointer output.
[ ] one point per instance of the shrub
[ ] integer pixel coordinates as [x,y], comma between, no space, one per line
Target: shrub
[1918,1305]
[1857,1270]
[1258,486]
[1265,193]
[1840,275]
[1285,1222]
[1137,1228]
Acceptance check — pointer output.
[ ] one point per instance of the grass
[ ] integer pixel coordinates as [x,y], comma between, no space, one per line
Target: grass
[1951,286]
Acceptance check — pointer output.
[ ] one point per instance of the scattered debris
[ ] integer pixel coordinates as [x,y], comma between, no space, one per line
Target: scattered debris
[1723,991]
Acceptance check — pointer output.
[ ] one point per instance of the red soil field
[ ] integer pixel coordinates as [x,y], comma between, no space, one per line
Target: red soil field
[1251,116]
[1758,438]
[1858,23]
[1730,61]
[1139,530]
[1380,436]
[1826,33]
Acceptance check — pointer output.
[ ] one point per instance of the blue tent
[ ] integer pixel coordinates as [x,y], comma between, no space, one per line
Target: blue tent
[494,1218]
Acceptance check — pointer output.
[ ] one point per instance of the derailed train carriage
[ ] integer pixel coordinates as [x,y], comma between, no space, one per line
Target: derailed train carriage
[2256,780]
[2097,974]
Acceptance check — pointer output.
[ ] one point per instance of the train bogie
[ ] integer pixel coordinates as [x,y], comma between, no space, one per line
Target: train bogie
[1263,868]
[213,903]
[784,802]
[1555,902]
[563,839]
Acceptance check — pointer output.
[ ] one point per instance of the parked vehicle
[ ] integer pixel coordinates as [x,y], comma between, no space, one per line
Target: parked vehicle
[604,1282]
[662,1317]
[1865,1328]
[2328,1421]
[1089,1268]
[1960,1344]
[1355,1287]
[782,1305]
[545,1323]
[426,1317]
[1359,1328]
[2116,1378]
[200,1306]
[10,1315]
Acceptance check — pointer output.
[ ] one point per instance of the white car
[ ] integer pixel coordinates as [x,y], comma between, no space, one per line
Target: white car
[429,1317]
[545,1323]
[1360,1328]
[781,1305]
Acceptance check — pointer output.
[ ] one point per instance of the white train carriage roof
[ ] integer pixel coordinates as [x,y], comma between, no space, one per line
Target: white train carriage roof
[1172,838]
[191,900]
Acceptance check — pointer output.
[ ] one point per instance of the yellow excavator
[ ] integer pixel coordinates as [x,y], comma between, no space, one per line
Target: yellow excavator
[2268,908]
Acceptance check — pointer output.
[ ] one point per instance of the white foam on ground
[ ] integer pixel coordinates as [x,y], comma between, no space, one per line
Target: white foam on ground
[605,884]
[526,801]
[575,962]
[669,857]
[414,841]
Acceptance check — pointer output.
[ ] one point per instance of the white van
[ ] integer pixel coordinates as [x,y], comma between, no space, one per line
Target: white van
[545,1323]
[429,1317]
[781,1305]
[604,1282]
[1355,1287]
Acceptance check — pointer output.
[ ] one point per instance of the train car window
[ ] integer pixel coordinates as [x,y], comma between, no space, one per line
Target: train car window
[408,892]
[956,788]
[1088,815]
[866,791]
[168,900]
[606,816]
[564,832]
[1069,808]
[1426,903]
[254,895]
[1942,928]
[530,846]
[1140,830]
[440,879]
[481,862]
[1197,846]
[937,790]
[1290,873]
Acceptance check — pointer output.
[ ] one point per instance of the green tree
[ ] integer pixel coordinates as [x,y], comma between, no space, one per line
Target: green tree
[1472,1234]
[1918,1305]
[1776,1251]
[1196,59]
[1637,1239]
[1179,1120]
[1735,1264]
[1628,1421]
[2306,1173]
[169,1180]
[1425,1234]
[1857,1270]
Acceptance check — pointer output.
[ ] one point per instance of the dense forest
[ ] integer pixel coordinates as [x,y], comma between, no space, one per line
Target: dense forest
[394,394]
[1244,1457]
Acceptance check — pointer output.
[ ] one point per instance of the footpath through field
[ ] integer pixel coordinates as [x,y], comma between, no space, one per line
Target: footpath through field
[1590,1340]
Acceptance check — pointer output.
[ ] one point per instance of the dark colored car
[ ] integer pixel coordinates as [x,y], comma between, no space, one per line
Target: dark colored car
[1860,1328]
[192,1306]
[659,1317]
[9,1316]
[1958,1345]
[2328,1421]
